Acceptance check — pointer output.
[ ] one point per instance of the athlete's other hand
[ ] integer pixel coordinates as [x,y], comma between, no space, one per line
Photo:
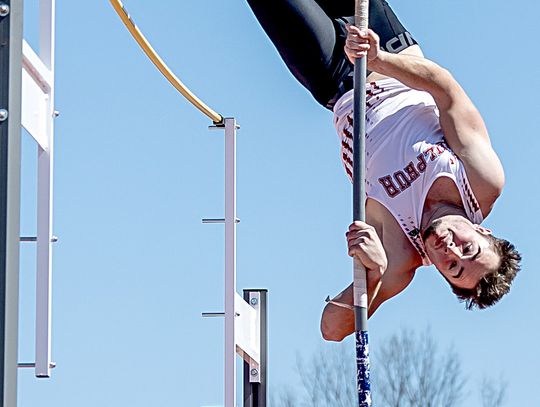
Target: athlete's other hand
[365,245]
[361,43]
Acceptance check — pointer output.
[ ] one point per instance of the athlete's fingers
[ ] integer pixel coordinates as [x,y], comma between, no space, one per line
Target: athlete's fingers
[358,49]
[355,52]
[359,237]
[358,224]
[357,45]
[354,30]
[358,38]
[357,243]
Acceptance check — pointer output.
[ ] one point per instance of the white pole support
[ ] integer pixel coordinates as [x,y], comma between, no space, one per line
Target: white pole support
[37,118]
[230,262]
[242,319]
[45,200]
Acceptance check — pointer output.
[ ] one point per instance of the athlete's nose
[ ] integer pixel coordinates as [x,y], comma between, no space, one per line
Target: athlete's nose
[451,248]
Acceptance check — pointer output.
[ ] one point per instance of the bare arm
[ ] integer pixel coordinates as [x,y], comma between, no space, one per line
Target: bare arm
[383,282]
[462,124]
[338,322]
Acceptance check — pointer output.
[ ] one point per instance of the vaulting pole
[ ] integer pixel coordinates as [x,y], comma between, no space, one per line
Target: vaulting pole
[359,213]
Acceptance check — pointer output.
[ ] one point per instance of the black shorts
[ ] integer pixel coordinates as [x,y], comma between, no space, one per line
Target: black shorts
[310,37]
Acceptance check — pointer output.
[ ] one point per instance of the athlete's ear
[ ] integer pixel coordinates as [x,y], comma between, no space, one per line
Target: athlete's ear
[482,230]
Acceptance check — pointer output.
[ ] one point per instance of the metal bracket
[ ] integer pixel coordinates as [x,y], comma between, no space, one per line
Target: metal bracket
[216,314]
[255,371]
[213,314]
[26,365]
[221,126]
[247,331]
[247,335]
[54,239]
[217,220]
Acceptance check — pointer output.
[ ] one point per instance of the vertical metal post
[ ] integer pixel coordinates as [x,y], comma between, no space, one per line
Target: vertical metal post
[45,196]
[360,294]
[230,261]
[255,394]
[11,23]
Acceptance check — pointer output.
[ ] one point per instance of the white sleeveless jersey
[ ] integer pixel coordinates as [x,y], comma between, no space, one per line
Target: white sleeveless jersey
[405,153]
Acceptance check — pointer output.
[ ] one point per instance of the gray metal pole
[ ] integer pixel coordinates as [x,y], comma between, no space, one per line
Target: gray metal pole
[359,213]
[255,394]
[11,23]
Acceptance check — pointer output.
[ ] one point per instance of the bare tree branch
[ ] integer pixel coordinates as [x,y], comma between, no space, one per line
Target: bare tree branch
[493,392]
[409,370]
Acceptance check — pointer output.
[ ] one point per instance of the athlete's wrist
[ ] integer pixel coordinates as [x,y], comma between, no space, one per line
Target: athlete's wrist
[377,64]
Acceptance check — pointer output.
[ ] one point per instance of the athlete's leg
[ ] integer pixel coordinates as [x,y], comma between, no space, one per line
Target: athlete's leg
[393,35]
[312,43]
[305,37]
[382,19]
[337,8]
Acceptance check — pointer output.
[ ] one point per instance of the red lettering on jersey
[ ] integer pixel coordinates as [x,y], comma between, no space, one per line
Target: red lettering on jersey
[435,151]
[402,180]
[411,171]
[441,148]
[389,186]
[422,165]
[431,153]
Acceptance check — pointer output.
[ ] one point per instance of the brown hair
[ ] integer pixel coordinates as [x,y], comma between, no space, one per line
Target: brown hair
[495,284]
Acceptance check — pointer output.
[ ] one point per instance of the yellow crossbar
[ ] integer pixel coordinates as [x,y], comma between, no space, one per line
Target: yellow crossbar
[160,64]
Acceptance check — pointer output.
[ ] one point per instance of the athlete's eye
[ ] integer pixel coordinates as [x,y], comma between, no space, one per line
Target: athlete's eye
[453,265]
[467,249]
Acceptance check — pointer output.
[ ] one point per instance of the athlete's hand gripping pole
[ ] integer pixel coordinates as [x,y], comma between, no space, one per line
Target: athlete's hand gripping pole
[360,294]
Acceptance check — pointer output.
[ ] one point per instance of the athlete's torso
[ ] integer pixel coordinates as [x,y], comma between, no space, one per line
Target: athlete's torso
[405,154]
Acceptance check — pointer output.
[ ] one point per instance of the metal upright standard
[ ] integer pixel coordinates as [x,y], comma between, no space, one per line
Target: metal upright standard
[10,130]
[38,119]
[38,115]
[230,262]
[27,99]
[245,318]
[360,294]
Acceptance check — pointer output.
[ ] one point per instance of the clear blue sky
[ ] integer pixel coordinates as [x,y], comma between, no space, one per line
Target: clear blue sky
[136,170]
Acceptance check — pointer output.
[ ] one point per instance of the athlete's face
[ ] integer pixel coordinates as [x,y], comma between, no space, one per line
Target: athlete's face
[460,250]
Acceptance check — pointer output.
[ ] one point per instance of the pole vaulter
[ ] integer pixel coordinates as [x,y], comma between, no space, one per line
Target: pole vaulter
[431,174]
[360,293]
